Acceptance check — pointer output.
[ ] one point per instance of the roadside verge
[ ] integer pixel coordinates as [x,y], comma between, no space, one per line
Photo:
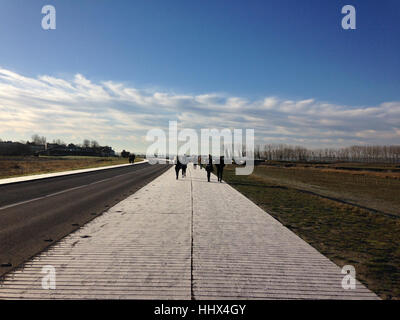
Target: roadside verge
[63,173]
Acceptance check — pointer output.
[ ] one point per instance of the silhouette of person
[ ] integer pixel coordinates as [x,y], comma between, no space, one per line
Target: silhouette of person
[220,168]
[178,167]
[184,167]
[209,167]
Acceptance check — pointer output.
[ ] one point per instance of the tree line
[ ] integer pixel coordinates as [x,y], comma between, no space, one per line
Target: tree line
[368,153]
[39,146]
[38,140]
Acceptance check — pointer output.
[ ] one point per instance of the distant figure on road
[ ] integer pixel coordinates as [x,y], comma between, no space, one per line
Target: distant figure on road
[132,158]
[199,162]
[178,166]
[220,168]
[184,167]
[209,167]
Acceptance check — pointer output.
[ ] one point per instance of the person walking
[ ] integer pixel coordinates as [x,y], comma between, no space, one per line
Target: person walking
[178,167]
[209,167]
[220,168]
[184,167]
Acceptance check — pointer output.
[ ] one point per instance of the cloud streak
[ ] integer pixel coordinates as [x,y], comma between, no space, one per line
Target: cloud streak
[116,114]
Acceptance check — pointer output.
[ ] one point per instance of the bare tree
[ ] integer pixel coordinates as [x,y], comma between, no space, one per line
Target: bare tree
[59,142]
[38,140]
[354,153]
[94,144]
[86,143]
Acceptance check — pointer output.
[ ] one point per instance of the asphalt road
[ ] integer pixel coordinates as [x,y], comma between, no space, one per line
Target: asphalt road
[35,214]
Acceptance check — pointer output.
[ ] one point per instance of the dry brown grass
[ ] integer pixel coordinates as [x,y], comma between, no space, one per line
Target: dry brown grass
[20,166]
[385,175]
[377,190]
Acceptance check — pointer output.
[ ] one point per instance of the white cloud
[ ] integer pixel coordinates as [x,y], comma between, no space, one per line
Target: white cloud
[119,115]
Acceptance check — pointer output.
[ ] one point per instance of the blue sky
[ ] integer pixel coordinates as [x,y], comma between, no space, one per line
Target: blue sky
[290,52]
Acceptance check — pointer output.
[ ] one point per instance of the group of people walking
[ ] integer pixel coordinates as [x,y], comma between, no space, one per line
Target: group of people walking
[132,158]
[179,166]
[209,167]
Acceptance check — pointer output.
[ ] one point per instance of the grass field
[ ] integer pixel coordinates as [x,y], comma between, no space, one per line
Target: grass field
[20,166]
[372,186]
[311,201]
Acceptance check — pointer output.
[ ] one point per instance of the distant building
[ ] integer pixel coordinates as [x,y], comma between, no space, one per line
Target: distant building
[125,154]
[54,149]
[36,148]
[10,148]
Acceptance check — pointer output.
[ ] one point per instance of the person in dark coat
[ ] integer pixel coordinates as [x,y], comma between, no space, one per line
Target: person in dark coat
[220,168]
[209,167]
[184,167]
[178,167]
